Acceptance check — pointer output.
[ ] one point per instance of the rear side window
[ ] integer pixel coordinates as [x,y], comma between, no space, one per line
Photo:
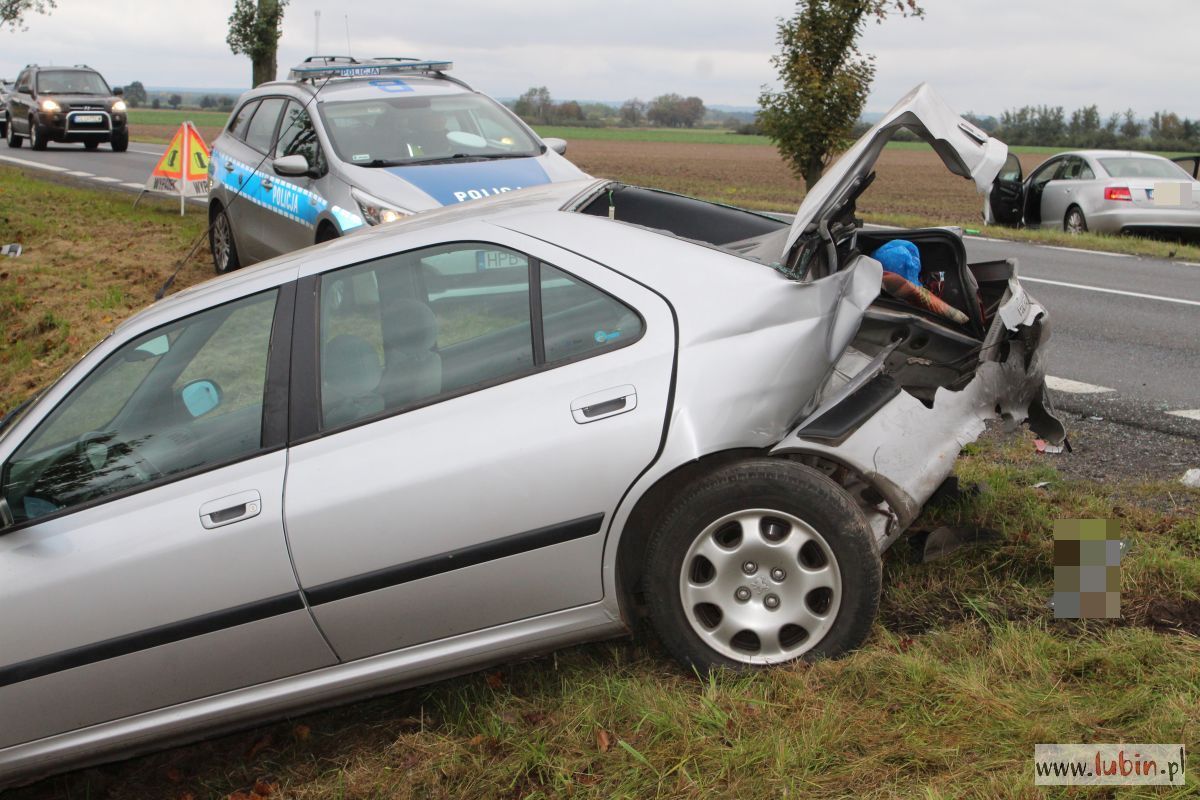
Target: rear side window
[415,327]
[241,122]
[261,133]
[1142,167]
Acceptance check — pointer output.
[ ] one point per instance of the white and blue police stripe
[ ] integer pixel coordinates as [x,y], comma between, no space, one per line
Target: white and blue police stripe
[290,201]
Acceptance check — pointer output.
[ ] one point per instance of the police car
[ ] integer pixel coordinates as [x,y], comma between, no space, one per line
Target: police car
[345,143]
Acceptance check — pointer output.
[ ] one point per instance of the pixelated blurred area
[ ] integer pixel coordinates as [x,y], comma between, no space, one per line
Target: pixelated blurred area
[1087,569]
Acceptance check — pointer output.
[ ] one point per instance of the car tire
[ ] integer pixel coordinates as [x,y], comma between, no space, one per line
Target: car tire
[221,243]
[91,145]
[13,139]
[1074,222]
[37,136]
[762,562]
[120,141]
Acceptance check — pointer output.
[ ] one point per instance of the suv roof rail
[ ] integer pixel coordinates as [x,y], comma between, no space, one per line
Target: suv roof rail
[311,70]
[82,66]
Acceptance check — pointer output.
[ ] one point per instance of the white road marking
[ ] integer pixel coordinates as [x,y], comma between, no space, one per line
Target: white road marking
[134,185]
[1189,413]
[1074,387]
[990,239]
[1189,263]
[78,174]
[105,179]
[1160,298]
[148,152]
[1087,252]
[35,164]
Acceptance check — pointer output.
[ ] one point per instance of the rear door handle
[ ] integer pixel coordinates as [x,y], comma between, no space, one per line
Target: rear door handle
[608,403]
[230,509]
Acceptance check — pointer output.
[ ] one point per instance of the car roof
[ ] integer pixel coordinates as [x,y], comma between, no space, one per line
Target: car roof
[1110,154]
[362,88]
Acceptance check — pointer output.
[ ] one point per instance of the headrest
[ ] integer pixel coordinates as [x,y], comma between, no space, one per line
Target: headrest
[412,325]
[350,366]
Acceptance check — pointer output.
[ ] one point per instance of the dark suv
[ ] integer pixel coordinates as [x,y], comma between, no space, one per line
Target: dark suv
[65,104]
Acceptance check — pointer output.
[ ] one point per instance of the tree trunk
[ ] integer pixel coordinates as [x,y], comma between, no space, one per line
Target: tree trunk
[812,172]
[264,68]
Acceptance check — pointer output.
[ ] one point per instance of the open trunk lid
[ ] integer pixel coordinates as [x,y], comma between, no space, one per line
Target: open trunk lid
[965,149]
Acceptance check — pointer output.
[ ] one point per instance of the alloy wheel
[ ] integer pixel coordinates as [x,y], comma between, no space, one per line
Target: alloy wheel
[760,586]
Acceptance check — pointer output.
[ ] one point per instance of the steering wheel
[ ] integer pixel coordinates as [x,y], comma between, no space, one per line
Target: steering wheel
[95,449]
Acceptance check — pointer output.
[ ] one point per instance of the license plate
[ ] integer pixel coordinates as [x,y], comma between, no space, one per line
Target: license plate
[1171,195]
[88,118]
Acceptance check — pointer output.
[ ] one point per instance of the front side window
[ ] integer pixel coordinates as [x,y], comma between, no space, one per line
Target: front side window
[298,137]
[406,329]
[183,397]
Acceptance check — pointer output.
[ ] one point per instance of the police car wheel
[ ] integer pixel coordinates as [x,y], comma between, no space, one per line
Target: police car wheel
[220,241]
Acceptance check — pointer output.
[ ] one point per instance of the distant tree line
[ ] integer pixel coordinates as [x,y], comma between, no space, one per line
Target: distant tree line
[1086,127]
[537,107]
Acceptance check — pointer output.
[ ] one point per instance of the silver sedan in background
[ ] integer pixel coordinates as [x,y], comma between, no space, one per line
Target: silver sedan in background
[1104,191]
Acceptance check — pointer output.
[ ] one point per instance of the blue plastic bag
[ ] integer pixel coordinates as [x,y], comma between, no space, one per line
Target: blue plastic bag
[901,257]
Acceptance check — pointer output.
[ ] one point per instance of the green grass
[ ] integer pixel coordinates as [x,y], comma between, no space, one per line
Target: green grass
[673,135]
[166,116]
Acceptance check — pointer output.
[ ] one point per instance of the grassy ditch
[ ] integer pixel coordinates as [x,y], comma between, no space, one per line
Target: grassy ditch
[965,670]
[90,259]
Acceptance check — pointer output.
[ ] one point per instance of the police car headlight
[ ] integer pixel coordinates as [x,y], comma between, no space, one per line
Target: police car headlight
[375,211]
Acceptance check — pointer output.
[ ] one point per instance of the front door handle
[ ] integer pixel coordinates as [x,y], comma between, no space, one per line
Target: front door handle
[601,405]
[230,509]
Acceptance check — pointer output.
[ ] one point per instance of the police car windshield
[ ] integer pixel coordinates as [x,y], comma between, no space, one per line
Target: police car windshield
[389,131]
[71,81]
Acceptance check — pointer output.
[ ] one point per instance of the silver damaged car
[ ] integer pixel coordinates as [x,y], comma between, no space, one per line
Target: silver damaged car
[487,432]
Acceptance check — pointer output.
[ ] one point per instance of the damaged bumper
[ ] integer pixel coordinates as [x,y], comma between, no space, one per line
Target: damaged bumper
[894,450]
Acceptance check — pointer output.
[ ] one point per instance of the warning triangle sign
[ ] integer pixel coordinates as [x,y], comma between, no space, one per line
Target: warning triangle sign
[183,168]
[171,163]
[196,166]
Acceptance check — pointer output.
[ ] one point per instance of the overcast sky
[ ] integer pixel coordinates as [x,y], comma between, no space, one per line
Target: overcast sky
[982,55]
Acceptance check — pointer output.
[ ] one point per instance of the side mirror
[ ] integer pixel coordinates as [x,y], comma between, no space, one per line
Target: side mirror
[200,397]
[119,92]
[295,165]
[557,145]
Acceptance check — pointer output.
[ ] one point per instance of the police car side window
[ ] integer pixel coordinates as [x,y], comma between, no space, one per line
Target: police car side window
[297,136]
[242,121]
[261,133]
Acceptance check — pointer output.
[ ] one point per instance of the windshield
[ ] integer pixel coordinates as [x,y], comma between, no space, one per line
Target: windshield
[71,81]
[410,130]
[1134,167]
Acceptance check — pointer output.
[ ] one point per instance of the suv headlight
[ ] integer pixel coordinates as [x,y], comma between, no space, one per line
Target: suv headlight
[375,211]
[119,106]
[50,105]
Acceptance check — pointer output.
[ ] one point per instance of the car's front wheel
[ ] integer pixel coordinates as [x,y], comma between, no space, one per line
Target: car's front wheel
[37,136]
[120,141]
[1075,222]
[220,242]
[762,562]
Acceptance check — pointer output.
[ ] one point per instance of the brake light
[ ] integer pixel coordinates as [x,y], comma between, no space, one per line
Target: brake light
[1117,193]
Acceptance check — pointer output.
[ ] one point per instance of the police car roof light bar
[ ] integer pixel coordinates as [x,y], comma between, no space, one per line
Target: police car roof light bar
[366,69]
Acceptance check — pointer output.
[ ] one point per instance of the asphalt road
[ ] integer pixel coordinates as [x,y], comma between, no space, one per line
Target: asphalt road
[1126,330]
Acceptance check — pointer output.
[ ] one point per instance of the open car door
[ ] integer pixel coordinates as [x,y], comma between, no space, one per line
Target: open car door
[1005,200]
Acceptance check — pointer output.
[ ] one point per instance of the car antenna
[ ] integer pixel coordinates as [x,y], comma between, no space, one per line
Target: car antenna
[170,281]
